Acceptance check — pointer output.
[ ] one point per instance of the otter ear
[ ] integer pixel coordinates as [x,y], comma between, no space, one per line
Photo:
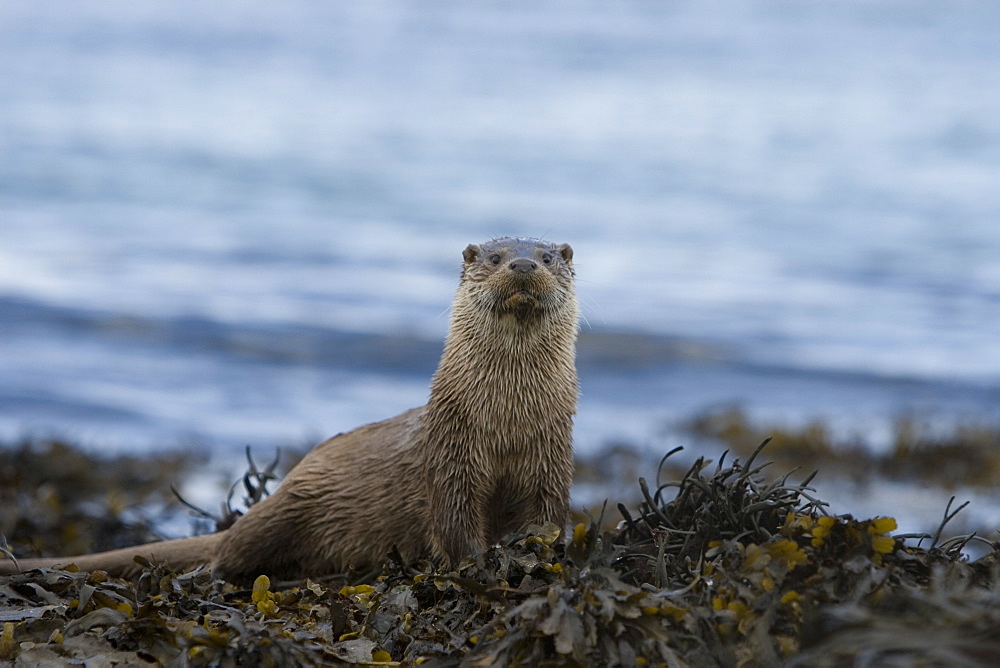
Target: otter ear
[567,253]
[471,253]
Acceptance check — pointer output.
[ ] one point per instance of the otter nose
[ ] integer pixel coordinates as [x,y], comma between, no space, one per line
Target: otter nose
[523,265]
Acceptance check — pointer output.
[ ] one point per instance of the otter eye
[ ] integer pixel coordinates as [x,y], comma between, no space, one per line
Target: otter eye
[547,258]
[495,258]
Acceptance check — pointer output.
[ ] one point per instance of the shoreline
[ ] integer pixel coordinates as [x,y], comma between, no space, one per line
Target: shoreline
[718,567]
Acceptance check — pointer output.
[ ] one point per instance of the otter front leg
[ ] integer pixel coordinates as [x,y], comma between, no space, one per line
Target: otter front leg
[551,500]
[457,516]
[551,507]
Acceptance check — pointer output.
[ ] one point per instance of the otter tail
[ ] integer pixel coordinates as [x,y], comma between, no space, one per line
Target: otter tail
[180,554]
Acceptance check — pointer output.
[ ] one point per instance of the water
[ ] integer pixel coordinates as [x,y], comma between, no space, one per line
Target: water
[241,223]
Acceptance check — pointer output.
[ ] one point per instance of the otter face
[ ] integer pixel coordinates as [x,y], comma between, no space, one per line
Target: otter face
[523,277]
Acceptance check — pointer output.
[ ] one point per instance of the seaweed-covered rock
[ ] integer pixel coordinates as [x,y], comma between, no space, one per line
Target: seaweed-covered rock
[720,567]
[56,498]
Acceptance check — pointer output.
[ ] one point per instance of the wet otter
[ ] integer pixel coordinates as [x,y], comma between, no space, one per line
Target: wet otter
[489,452]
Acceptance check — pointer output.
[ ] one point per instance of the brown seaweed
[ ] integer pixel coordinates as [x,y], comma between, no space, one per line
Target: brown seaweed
[719,565]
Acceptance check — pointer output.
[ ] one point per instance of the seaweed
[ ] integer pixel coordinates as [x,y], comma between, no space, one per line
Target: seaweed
[717,565]
[255,482]
[55,498]
[945,456]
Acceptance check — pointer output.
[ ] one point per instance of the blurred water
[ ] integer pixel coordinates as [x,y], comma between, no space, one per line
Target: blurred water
[241,222]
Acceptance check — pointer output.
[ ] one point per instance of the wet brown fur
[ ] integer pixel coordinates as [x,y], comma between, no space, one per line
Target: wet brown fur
[490,451]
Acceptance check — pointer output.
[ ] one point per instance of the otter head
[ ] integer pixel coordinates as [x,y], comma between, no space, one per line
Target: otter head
[525,278]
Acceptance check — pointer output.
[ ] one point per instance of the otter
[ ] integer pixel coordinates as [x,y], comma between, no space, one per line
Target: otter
[490,452]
